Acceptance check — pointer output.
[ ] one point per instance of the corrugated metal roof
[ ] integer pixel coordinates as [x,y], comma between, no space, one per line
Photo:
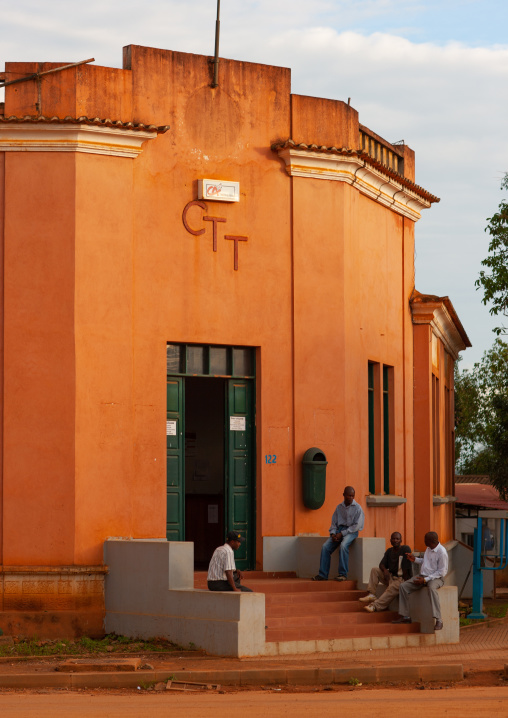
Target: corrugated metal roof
[97,121]
[479,495]
[284,144]
[472,479]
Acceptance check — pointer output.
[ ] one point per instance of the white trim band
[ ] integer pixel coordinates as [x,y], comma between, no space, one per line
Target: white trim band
[92,139]
[355,171]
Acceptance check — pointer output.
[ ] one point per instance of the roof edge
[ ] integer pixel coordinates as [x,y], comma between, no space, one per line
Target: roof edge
[426,308]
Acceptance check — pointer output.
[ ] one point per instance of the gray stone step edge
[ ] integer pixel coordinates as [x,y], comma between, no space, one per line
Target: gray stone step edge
[249,677]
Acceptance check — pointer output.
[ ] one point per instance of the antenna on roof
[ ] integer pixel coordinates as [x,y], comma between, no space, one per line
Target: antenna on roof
[215,81]
[36,75]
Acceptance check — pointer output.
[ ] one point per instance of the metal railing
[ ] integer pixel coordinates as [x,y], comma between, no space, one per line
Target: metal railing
[380,152]
[479,552]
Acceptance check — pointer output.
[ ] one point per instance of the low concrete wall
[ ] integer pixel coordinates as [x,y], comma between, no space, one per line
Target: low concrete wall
[149,592]
[302,553]
[280,553]
[420,608]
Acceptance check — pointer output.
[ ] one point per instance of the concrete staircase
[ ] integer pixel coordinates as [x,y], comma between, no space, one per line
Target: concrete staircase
[302,610]
[151,587]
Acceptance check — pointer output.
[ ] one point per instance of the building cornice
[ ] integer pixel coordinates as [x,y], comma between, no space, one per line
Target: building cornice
[371,178]
[92,136]
[438,312]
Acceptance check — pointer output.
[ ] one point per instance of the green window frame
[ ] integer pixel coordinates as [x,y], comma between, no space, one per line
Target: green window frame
[372,452]
[380,420]
[386,430]
[211,360]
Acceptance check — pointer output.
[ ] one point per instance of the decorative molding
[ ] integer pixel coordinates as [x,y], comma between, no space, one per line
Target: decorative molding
[354,170]
[79,137]
[385,500]
[50,589]
[437,315]
[68,570]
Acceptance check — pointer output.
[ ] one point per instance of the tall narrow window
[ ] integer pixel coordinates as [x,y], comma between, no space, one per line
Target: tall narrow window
[436,463]
[372,445]
[448,482]
[381,428]
[386,431]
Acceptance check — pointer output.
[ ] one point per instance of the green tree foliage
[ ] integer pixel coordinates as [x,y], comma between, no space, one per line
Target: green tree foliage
[481,417]
[495,280]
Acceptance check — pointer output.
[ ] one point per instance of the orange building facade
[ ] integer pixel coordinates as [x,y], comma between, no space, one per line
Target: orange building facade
[198,285]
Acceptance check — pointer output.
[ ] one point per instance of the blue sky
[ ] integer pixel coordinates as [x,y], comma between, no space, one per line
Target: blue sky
[432,73]
[475,22]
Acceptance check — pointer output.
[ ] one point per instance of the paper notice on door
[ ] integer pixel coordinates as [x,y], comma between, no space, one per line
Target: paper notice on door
[171,428]
[213,513]
[237,423]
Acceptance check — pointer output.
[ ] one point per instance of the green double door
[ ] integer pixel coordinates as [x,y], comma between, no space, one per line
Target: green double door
[210,464]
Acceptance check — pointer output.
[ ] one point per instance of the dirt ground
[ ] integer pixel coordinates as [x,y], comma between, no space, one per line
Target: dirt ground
[472,679]
[479,669]
[452,702]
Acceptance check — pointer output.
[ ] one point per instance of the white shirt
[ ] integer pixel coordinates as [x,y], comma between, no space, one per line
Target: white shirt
[223,560]
[434,563]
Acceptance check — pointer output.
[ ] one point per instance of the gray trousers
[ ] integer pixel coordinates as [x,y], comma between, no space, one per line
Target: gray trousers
[391,591]
[408,587]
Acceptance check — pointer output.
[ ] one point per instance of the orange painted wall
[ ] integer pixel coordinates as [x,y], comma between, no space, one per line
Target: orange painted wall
[2,222]
[107,488]
[355,250]
[39,373]
[430,517]
[423,432]
[443,515]
[101,274]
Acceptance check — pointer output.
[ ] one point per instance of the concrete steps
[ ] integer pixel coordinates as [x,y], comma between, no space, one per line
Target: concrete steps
[318,633]
[299,610]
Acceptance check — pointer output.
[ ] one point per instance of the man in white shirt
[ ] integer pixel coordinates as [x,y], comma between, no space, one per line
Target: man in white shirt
[433,569]
[222,573]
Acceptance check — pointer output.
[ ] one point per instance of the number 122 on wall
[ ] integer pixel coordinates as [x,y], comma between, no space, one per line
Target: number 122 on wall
[270,458]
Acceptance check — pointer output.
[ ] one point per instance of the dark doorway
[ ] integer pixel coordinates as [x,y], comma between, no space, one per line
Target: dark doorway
[204,466]
[210,448]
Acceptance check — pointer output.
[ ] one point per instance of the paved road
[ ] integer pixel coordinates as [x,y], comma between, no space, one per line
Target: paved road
[449,703]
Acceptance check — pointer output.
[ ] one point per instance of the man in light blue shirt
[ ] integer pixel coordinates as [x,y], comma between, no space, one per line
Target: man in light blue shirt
[347,521]
[433,569]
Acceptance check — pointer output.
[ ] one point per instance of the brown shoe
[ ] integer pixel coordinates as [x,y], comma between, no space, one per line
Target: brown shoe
[439,625]
[402,619]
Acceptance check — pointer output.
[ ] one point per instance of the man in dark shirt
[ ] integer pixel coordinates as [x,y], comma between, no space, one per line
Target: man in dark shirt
[394,568]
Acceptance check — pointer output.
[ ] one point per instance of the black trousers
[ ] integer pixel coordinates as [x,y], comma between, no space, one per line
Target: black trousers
[224,585]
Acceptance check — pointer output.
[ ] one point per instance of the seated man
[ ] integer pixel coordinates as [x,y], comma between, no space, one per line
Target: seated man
[434,567]
[222,573]
[347,521]
[394,568]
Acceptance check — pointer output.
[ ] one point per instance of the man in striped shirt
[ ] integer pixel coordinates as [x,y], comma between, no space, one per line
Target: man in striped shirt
[222,572]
